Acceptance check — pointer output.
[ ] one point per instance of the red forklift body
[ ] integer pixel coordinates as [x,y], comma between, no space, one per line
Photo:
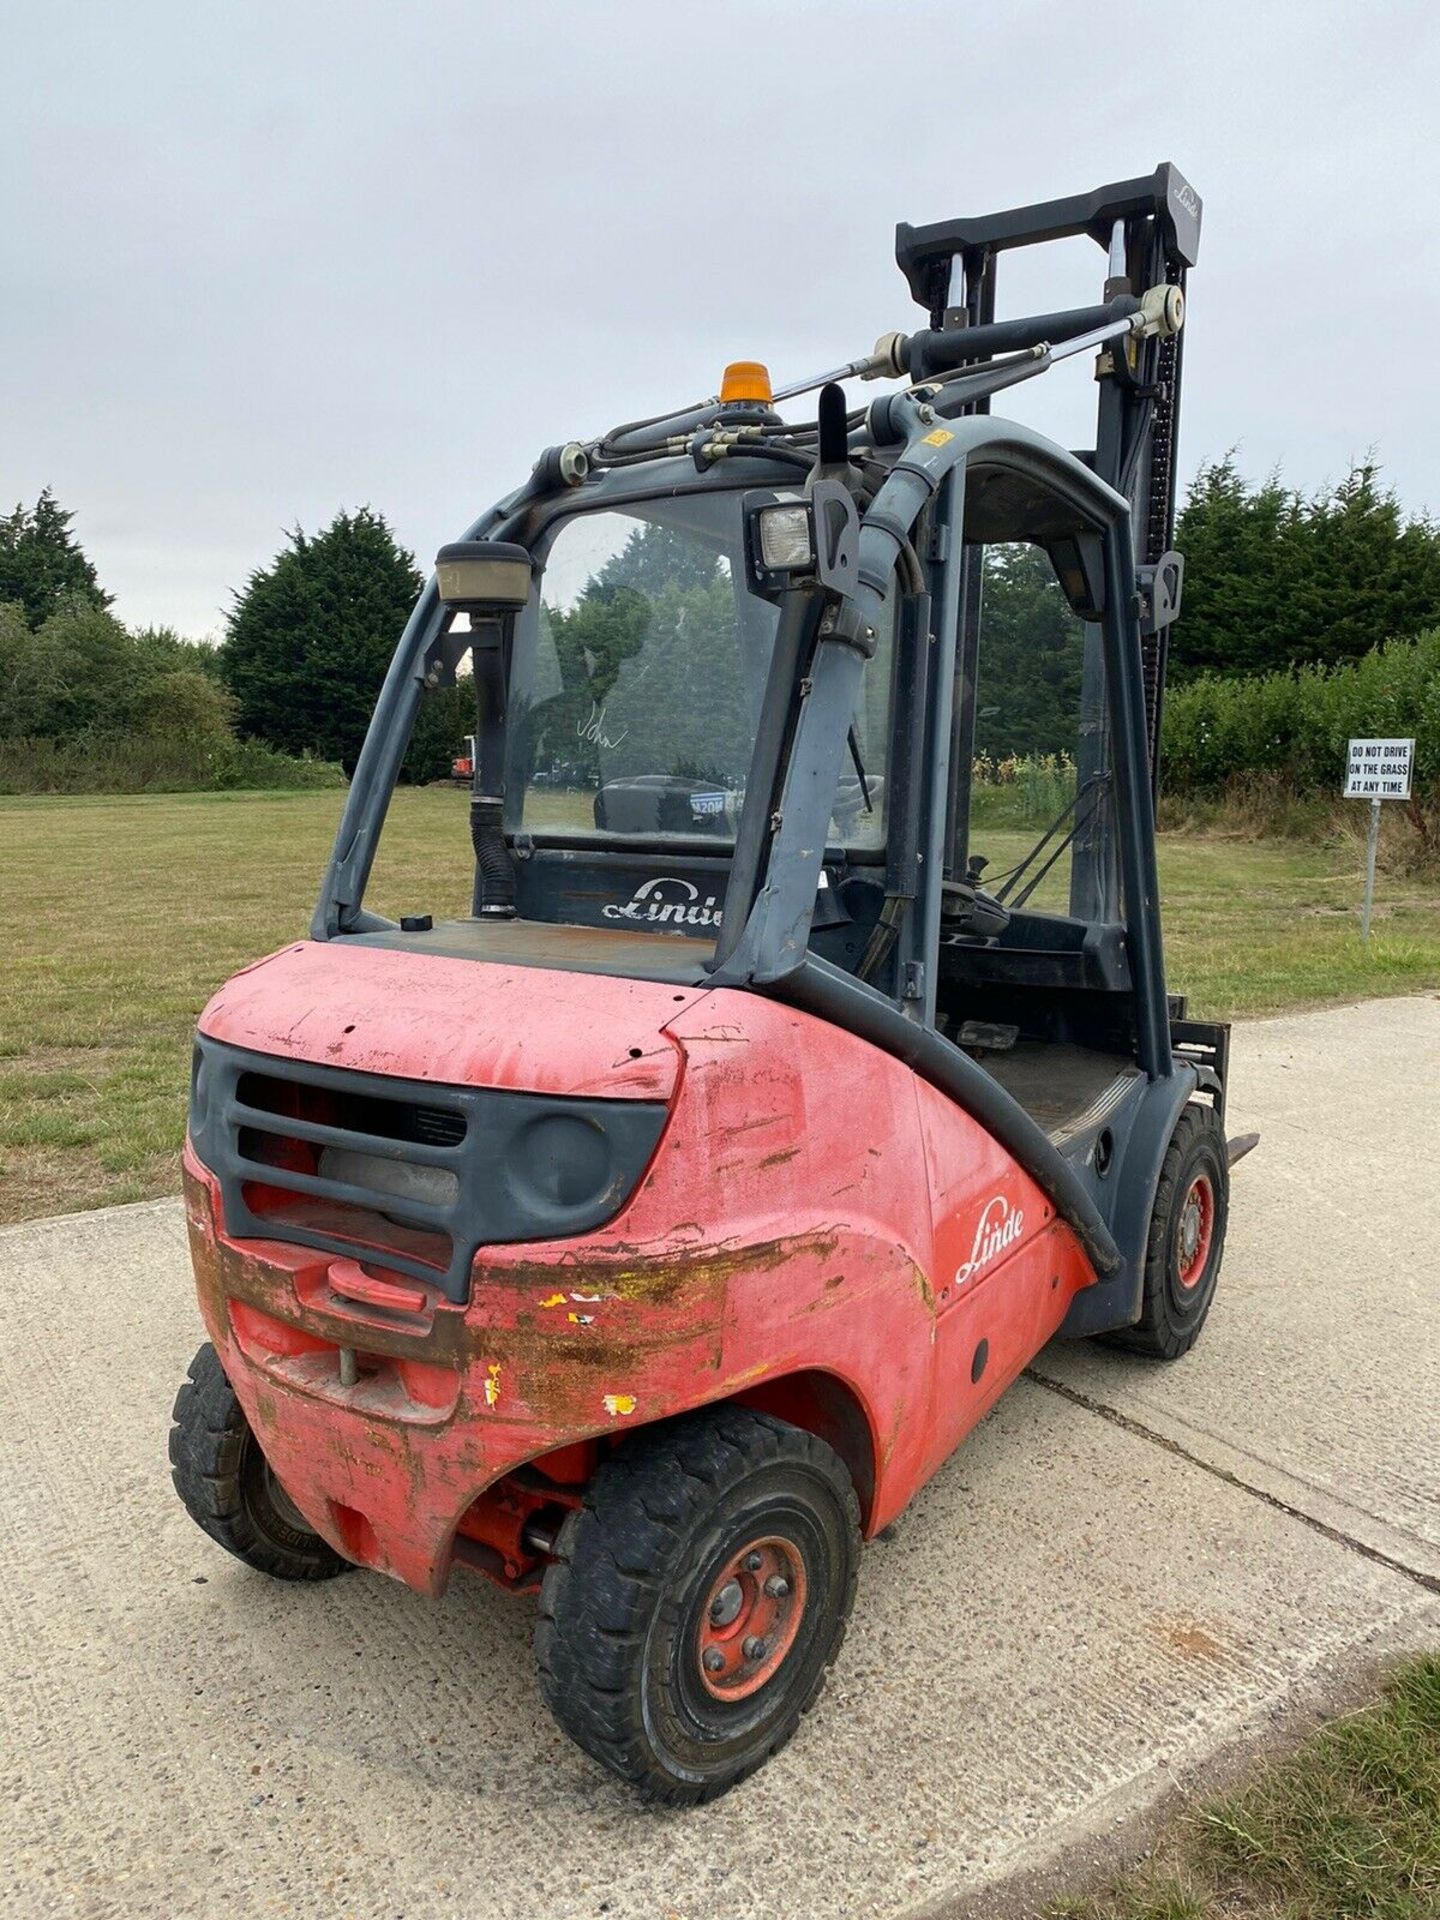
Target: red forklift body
[818,1234]
[646,1234]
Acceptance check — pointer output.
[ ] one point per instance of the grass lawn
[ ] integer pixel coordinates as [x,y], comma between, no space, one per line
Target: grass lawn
[1345,1828]
[124,913]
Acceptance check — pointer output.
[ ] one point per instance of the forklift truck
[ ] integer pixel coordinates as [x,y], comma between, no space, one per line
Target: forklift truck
[644,1236]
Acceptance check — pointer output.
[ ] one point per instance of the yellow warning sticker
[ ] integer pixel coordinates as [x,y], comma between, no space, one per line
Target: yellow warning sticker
[940,438]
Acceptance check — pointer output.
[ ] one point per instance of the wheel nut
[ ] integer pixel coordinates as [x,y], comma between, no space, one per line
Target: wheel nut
[714,1659]
[753,1647]
[753,1562]
[777,1586]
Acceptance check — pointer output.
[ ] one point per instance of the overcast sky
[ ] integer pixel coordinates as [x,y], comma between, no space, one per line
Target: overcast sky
[262,261]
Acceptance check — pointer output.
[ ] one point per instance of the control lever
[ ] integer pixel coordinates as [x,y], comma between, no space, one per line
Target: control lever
[965,907]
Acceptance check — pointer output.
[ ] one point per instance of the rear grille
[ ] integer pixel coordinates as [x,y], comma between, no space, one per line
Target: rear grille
[412,1177]
[367,1172]
[437,1128]
[384,1119]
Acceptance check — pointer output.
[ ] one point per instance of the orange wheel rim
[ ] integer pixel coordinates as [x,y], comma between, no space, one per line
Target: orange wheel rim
[751,1616]
[1197,1231]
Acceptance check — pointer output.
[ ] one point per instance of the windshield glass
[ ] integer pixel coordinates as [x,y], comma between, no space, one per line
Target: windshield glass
[1041,799]
[637,682]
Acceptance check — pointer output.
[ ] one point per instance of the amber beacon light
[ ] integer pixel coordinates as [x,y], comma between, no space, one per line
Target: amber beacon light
[746,380]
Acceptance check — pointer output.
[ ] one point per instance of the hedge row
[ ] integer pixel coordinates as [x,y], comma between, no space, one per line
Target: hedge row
[1296,725]
[156,763]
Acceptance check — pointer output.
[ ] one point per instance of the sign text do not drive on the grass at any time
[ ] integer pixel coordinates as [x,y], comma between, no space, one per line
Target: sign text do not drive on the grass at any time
[1379,770]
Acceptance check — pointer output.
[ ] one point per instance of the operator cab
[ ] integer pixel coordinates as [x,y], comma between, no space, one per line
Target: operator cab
[857,712]
[634,693]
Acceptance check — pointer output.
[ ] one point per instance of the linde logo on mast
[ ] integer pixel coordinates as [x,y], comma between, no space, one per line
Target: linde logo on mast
[649,903]
[999,1227]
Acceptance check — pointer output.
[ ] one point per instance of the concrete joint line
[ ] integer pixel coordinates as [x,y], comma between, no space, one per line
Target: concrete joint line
[1429,1581]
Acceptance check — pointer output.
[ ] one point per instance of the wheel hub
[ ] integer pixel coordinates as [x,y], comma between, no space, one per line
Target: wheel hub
[725,1607]
[751,1617]
[1197,1226]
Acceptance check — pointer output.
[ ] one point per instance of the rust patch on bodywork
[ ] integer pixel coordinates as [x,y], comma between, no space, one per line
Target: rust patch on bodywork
[659,1274]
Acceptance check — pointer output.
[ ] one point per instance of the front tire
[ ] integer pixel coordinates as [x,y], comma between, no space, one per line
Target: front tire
[698,1599]
[227,1485]
[1186,1240]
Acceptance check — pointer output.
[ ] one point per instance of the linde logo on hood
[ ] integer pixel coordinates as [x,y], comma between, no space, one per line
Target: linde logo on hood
[999,1227]
[666,901]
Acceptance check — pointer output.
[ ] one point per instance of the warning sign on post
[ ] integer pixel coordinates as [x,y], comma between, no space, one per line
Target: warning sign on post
[1379,770]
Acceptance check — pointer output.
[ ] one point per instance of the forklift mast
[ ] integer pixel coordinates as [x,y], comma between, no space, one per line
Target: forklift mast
[1150,231]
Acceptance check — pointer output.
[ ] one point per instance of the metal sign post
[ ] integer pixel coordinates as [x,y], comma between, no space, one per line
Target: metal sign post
[1377,770]
[1372,841]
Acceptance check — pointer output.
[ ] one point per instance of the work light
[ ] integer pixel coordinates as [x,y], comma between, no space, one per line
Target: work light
[483,576]
[787,543]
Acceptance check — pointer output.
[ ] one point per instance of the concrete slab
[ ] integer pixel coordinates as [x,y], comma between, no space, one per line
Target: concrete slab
[1318,1375]
[1068,1614]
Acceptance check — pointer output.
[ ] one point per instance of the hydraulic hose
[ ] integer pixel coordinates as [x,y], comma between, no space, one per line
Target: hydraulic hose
[494,874]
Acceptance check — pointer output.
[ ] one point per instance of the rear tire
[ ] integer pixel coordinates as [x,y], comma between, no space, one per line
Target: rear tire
[698,1599]
[1186,1240]
[228,1487]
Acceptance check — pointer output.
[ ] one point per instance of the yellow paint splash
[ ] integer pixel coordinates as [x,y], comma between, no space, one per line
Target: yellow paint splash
[619,1403]
[492,1383]
[555,1300]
